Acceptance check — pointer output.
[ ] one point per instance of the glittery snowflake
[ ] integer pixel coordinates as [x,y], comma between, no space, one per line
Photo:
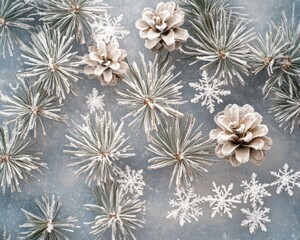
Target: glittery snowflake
[254,191]
[210,91]
[109,29]
[256,219]
[186,205]
[131,181]
[223,200]
[286,180]
[95,101]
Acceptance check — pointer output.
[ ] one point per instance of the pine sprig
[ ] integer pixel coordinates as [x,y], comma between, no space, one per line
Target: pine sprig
[47,224]
[13,16]
[30,106]
[265,52]
[72,17]
[97,145]
[221,41]
[6,235]
[286,105]
[279,53]
[150,93]
[183,146]
[116,211]
[201,9]
[18,160]
[49,58]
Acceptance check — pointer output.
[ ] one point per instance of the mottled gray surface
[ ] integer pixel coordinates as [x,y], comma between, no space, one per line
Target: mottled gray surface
[59,179]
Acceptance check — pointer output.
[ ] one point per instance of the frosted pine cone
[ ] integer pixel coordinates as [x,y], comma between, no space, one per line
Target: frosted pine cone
[161,29]
[105,61]
[240,135]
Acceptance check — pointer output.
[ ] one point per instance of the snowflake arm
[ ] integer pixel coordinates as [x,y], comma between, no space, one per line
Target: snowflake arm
[95,101]
[131,181]
[286,180]
[256,219]
[223,201]
[254,191]
[186,206]
[210,91]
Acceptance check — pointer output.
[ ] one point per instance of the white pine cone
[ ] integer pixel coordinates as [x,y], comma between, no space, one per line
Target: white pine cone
[241,136]
[161,28]
[105,61]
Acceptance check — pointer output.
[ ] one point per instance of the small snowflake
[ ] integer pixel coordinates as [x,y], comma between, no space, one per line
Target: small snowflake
[256,219]
[95,101]
[254,191]
[186,205]
[286,180]
[131,181]
[223,201]
[109,29]
[209,91]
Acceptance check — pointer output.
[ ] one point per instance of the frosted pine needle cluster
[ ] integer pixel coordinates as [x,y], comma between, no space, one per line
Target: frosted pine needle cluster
[18,160]
[116,212]
[50,60]
[210,91]
[109,29]
[286,105]
[186,206]
[182,146]
[95,101]
[47,224]
[202,9]
[221,41]
[72,17]
[29,106]
[96,146]
[6,235]
[13,16]
[279,53]
[150,93]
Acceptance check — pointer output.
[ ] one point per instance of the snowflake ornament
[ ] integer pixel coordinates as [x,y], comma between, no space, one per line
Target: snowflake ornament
[223,200]
[254,191]
[109,29]
[131,180]
[95,101]
[186,205]
[286,180]
[256,219]
[210,91]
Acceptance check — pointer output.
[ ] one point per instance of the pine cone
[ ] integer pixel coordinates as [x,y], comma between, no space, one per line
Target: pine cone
[241,135]
[105,62]
[161,29]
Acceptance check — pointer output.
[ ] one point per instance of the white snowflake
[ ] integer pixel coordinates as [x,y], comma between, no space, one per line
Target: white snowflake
[95,101]
[254,191]
[109,29]
[256,219]
[223,201]
[286,180]
[186,205]
[131,180]
[209,91]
